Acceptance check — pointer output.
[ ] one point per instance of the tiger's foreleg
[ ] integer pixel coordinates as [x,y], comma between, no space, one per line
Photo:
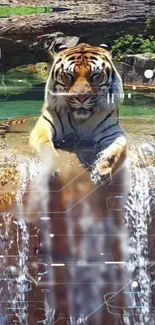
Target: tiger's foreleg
[40,141]
[110,160]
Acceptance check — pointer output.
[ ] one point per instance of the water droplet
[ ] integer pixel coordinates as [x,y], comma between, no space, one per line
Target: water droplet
[45,290]
[148,74]
[134,284]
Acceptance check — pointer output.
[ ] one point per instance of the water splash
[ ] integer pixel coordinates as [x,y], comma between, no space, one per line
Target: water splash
[84,291]
[137,218]
[23,251]
[15,275]
[72,270]
[39,197]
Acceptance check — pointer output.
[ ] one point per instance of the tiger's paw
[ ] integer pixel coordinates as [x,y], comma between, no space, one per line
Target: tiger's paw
[55,173]
[98,179]
[48,174]
[106,166]
[108,163]
[4,128]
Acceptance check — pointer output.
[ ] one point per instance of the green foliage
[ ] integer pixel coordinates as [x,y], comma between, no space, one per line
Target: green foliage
[23,10]
[131,44]
[148,23]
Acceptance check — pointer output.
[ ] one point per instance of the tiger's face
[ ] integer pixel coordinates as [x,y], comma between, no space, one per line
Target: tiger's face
[83,80]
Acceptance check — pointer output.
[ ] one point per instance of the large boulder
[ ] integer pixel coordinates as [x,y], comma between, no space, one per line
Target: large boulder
[133,68]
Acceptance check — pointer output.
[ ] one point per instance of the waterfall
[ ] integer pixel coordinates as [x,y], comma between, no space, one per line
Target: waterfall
[87,263]
[85,272]
[14,280]
[137,212]
[137,219]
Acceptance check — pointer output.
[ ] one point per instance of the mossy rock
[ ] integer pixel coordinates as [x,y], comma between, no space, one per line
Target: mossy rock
[23,78]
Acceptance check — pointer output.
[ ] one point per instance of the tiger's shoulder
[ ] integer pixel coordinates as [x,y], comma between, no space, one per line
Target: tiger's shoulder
[18,125]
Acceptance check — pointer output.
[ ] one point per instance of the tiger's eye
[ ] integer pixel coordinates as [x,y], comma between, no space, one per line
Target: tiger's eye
[68,76]
[95,77]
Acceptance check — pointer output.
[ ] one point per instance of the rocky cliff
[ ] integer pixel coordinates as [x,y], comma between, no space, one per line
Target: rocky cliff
[20,37]
[134,66]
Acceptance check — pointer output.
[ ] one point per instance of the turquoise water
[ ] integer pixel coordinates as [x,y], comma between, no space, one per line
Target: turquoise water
[12,109]
[22,94]
[21,99]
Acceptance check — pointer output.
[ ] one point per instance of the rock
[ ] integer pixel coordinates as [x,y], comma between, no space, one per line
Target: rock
[134,66]
[15,162]
[94,23]
[9,176]
[86,19]
[144,60]
[33,73]
[17,52]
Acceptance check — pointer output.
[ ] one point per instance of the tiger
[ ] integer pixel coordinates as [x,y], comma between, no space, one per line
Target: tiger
[81,98]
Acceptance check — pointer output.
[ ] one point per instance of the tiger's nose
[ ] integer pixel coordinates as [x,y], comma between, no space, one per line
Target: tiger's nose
[82,98]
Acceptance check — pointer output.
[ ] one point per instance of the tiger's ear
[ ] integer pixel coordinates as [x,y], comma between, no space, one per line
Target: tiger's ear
[60,43]
[59,47]
[107,46]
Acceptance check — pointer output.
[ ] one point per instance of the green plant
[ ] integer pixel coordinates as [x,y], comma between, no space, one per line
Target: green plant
[148,23]
[23,10]
[133,44]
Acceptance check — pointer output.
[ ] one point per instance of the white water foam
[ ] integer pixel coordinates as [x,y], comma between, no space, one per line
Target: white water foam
[137,218]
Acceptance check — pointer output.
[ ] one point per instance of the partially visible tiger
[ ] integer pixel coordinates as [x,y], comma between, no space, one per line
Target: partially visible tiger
[82,94]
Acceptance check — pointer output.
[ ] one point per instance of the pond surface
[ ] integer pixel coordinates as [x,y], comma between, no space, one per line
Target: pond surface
[22,94]
[26,99]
